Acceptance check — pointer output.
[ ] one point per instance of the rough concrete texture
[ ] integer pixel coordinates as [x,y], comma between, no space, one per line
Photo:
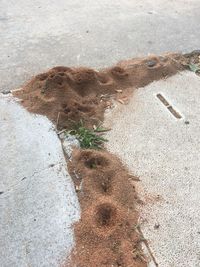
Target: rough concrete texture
[164,152]
[69,142]
[38,203]
[36,35]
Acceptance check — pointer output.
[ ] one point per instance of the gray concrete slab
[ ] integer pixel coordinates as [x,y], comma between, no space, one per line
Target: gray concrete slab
[164,152]
[36,35]
[38,204]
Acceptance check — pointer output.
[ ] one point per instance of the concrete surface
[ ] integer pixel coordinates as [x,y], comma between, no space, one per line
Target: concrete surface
[36,35]
[164,152]
[38,203]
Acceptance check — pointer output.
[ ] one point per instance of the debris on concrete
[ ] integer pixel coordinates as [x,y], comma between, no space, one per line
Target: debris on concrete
[6,92]
[156,226]
[151,63]
[69,143]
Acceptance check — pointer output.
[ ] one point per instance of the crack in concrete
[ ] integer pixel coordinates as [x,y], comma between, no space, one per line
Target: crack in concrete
[4,194]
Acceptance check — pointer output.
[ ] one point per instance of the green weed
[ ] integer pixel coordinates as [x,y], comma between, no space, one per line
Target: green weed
[194,67]
[89,138]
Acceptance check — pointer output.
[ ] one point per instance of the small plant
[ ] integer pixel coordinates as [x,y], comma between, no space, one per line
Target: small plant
[194,67]
[88,138]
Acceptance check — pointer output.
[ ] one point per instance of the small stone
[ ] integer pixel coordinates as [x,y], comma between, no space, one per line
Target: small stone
[51,165]
[108,104]
[62,135]
[1,192]
[118,91]
[77,188]
[151,63]
[187,122]
[156,226]
[6,92]
[69,143]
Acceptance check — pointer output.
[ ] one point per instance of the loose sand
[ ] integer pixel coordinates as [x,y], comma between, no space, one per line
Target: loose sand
[107,234]
[69,94]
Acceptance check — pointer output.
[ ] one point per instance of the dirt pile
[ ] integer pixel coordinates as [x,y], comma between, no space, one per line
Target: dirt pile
[107,233]
[66,95]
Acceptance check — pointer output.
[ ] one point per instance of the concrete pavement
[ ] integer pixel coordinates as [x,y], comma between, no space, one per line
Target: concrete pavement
[38,204]
[37,35]
[164,152]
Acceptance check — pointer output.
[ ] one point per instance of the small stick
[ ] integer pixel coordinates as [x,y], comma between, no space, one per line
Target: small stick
[134,178]
[147,245]
[57,120]
[62,131]
[102,130]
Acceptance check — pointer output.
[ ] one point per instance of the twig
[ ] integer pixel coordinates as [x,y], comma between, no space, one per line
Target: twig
[57,120]
[76,175]
[134,178]
[147,245]
[62,131]
[102,130]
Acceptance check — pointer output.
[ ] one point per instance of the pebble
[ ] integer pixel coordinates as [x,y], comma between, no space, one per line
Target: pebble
[151,63]
[5,92]
[77,188]
[156,226]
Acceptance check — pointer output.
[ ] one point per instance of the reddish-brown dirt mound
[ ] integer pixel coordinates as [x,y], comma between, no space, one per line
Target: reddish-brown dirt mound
[109,219]
[106,234]
[67,94]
